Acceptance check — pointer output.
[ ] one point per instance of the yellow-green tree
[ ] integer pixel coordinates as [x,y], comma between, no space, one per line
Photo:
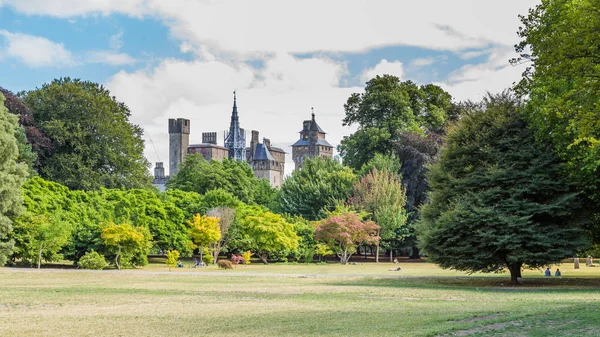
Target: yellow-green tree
[172,258]
[126,241]
[204,230]
[42,237]
[267,232]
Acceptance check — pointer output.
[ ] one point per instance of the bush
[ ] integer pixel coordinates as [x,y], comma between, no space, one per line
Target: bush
[225,264]
[92,260]
[172,258]
[207,257]
[247,256]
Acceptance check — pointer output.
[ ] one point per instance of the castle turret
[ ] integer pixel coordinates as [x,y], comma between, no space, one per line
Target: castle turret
[311,144]
[179,139]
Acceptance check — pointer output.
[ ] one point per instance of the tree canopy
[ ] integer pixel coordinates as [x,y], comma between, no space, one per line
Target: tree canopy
[12,176]
[498,198]
[319,185]
[93,143]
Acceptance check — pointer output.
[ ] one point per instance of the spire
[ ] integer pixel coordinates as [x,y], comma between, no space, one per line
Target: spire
[235,140]
[234,112]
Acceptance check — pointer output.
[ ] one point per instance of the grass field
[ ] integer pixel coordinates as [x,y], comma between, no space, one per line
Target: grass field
[297,300]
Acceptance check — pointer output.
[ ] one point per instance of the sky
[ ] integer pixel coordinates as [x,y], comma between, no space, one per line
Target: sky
[184,58]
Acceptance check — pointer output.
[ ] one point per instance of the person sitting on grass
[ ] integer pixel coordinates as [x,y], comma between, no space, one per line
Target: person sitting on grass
[395,269]
[179,264]
[548,272]
[557,273]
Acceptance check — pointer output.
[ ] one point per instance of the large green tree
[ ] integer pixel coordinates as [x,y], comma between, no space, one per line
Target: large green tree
[560,49]
[386,109]
[93,143]
[318,186]
[12,176]
[499,199]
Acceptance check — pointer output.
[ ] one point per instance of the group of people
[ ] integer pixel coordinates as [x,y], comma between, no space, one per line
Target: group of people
[549,273]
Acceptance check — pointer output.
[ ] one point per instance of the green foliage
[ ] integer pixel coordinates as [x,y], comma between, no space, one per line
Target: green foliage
[129,244]
[12,176]
[344,232]
[318,186]
[387,108]
[172,258]
[207,257]
[235,177]
[499,198]
[93,143]
[266,233]
[26,154]
[381,162]
[92,260]
[42,236]
[562,84]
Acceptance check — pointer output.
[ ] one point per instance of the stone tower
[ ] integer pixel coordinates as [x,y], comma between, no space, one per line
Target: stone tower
[311,144]
[179,139]
[235,141]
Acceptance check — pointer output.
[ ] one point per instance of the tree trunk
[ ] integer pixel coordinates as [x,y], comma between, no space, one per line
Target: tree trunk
[216,253]
[200,250]
[117,259]
[377,253]
[415,253]
[391,255]
[263,258]
[39,260]
[515,272]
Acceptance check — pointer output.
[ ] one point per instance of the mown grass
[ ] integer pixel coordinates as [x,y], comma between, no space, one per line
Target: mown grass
[297,300]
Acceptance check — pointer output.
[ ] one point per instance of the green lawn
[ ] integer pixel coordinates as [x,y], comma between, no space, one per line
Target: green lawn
[297,300]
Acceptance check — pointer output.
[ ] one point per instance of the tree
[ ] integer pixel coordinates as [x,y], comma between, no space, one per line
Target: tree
[201,176]
[380,193]
[33,143]
[267,232]
[129,242]
[12,176]
[498,198]
[562,82]
[172,258]
[204,230]
[45,236]
[318,186]
[344,232]
[226,216]
[387,108]
[93,143]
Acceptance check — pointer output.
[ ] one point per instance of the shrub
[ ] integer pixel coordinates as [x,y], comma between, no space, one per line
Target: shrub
[246,256]
[225,264]
[207,257]
[92,260]
[172,258]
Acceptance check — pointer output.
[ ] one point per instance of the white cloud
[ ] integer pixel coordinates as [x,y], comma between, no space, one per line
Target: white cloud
[472,81]
[383,67]
[35,51]
[273,100]
[116,41]
[109,57]
[422,62]
[262,26]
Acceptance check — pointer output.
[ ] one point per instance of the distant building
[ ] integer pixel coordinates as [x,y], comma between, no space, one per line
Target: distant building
[265,160]
[311,144]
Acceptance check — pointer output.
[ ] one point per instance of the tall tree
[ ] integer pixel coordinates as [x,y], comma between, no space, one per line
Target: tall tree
[12,176]
[384,111]
[318,186]
[226,216]
[560,48]
[93,143]
[499,199]
[129,244]
[33,143]
[380,193]
[42,237]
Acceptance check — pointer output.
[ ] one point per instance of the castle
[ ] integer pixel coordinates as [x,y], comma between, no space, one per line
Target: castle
[266,161]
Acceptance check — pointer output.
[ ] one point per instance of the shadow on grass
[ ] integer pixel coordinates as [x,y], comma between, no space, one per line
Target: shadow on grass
[467,283]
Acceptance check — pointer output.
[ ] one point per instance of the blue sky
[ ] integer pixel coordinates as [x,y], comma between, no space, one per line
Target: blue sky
[183,58]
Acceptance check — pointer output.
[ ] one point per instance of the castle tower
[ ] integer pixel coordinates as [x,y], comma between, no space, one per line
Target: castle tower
[179,139]
[311,144]
[235,141]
